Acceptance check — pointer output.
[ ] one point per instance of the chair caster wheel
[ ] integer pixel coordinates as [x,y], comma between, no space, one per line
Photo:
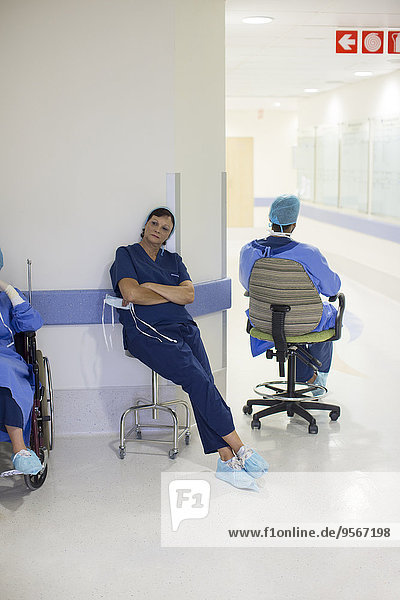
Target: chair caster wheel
[334,415]
[173,454]
[255,424]
[187,439]
[313,428]
[290,413]
[247,409]
[138,435]
[122,453]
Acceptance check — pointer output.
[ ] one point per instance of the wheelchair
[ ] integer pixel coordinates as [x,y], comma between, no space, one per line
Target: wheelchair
[42,415]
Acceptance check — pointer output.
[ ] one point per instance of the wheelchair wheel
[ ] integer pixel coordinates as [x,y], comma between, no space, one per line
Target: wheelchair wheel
[46,404]
[34,482]
[42,426]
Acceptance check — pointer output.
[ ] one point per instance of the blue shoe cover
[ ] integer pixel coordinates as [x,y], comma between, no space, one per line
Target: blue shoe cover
[232,472]
[252,462]
[320,380]
[27,462]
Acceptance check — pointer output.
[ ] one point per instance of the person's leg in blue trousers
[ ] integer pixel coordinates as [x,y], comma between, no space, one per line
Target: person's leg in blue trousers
[191,335]
[10,412]
[323,352]
[186,364]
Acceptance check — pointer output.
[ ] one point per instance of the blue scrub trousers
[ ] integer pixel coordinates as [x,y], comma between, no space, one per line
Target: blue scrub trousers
[320,350]
[10,412]
[185,363]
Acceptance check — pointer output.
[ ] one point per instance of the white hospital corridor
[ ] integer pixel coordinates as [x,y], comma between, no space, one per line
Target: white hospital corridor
[199,299]
[99,517]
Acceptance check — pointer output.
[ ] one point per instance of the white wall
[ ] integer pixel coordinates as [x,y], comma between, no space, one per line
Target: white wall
[376,97]
[86,131]
[100,99]
[275,135]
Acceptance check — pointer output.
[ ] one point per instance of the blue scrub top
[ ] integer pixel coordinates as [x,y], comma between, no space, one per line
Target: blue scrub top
[15,374]
[168,269]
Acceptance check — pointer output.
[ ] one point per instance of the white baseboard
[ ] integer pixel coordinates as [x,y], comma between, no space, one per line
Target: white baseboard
[86,411]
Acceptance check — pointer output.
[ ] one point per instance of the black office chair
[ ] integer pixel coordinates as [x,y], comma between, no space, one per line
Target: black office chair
[284,308]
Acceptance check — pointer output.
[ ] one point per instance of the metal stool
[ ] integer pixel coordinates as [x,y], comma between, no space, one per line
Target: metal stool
[155,406]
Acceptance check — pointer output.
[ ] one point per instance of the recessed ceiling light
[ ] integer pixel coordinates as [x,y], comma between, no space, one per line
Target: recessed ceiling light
[311,90]
[257,20]
[363,73]
[277,103]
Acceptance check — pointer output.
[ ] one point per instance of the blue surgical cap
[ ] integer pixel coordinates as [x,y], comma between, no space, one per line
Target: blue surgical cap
[284,210]
[1,259]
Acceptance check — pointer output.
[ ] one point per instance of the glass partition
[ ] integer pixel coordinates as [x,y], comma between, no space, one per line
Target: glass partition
[386,168]
[354,164]
[305,163]
[327,166]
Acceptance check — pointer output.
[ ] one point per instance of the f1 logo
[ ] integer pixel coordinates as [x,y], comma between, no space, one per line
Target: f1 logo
[188,499]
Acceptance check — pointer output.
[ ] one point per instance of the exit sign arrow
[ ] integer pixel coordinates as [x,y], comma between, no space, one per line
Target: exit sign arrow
[346,42]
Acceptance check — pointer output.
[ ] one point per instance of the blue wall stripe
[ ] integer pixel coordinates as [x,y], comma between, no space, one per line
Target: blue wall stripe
[362,224]
[84,307]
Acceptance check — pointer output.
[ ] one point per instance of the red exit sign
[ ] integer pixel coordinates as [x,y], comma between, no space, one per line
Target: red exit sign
[346,42]
[377,41]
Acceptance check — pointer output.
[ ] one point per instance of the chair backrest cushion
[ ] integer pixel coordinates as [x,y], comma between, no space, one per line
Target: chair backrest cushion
[283,281]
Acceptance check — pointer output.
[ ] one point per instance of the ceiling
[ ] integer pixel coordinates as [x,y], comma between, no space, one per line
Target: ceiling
[275,62]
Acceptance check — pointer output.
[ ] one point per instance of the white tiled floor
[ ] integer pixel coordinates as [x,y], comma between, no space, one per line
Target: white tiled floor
[93,530]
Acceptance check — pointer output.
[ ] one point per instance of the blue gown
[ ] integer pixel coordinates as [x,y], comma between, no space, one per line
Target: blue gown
[165,338]
[15,374]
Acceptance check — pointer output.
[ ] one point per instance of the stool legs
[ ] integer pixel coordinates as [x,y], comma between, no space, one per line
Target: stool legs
[156,406]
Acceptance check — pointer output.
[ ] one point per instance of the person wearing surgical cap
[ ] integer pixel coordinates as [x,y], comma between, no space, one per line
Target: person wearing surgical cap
[16,379]
[283,217]
[158,330]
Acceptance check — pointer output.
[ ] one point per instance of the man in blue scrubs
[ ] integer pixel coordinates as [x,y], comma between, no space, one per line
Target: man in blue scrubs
[283,216]
[158,330]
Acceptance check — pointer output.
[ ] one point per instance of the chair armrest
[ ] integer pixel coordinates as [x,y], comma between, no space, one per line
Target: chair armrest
[339,317]
[32,358]
[248,326]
